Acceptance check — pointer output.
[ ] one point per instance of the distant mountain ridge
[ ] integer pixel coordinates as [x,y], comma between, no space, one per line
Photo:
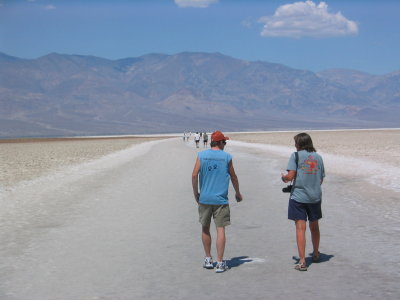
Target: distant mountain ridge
[77,95]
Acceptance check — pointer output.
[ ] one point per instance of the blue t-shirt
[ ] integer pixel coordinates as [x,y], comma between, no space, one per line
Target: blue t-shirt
[214,176]
[308,178]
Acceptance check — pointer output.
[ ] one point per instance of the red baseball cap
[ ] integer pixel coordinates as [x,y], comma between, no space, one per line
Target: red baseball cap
[218,136]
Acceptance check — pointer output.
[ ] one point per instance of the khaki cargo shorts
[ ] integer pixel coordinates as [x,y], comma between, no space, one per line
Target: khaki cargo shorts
[220,213]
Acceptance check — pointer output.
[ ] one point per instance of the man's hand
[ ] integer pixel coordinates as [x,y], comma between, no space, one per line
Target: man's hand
[238,197]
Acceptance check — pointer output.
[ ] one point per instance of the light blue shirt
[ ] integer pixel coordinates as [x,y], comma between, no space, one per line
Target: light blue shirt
[310,174]
[214,176]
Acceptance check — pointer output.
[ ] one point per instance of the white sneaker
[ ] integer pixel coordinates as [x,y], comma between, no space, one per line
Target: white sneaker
[221,267]
[208,263]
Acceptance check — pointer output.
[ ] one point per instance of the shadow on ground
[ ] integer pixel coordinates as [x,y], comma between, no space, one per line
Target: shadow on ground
[323,257]
[238,261]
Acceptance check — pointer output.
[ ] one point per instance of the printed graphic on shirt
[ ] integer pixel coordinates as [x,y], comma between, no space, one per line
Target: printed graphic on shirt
[310,165]
[210,168]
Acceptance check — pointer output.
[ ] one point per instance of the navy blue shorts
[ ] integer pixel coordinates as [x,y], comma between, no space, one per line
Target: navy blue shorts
[300,211]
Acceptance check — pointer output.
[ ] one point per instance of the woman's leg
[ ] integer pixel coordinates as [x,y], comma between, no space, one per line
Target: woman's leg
[315,236]
[301,239]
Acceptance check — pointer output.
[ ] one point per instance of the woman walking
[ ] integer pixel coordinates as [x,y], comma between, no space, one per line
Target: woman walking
[306,168]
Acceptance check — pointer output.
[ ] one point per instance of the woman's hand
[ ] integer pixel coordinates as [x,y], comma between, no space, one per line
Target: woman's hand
[283,177]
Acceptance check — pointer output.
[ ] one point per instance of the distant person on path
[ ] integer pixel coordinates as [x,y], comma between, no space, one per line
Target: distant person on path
[197,139]
[305,198]
[213,169]
[205,140]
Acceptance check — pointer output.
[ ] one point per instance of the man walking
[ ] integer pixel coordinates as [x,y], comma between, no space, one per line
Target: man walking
[205,140]
[213,169]
[197,139]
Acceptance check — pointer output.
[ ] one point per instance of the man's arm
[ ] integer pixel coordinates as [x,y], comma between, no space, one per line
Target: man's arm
[235,182]
[195,180]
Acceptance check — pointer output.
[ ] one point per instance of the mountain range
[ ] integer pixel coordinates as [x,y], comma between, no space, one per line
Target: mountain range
[68,95]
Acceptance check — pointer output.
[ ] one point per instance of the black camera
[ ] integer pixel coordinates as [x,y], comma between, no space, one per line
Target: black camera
[287,189]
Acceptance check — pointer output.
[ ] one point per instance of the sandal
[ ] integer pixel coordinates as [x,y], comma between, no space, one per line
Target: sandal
[315,258]
[301,267]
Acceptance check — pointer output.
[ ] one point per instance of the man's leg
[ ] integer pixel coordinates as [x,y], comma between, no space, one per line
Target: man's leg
[206,238]
[301,239]
[315,236]
[221,240]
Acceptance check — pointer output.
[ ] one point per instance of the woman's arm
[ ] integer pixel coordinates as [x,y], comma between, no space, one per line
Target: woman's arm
[291,174]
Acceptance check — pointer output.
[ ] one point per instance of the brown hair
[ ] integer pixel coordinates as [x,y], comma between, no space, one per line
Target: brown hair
[215,144]
[304,142]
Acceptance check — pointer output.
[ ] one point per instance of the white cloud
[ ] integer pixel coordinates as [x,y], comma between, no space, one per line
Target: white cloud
[195,3]
[306,19]
[248,22]
[49,7]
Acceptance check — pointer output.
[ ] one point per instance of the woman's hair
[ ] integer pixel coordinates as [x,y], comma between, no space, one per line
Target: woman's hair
[304,142]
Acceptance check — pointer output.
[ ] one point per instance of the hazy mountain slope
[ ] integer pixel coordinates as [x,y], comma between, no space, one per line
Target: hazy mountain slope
[72,94]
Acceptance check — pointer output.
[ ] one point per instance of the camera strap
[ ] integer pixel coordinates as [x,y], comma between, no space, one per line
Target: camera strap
[297,166]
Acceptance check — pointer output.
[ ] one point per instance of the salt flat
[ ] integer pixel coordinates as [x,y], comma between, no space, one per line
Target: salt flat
[27,159]
[125,226]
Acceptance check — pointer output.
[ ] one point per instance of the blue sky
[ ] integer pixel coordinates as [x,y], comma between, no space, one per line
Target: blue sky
[313,35]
